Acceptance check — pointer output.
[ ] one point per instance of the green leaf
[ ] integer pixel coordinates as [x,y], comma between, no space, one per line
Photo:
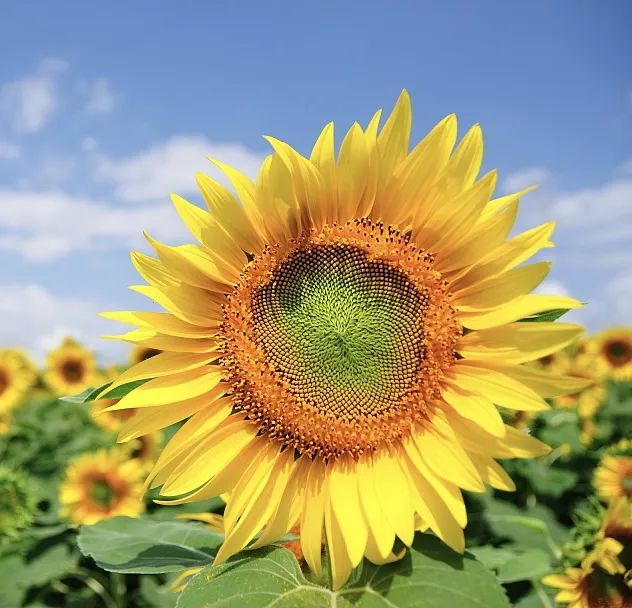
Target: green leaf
[547,316]
[47,566]
[429,576]
[90,394]
[529,528]
[530,564]
[144,546]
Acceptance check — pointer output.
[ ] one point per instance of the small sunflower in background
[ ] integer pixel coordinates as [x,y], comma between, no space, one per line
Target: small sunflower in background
[15,381]
[597,583]
[109,420]
[142,353]
[100,485]
[339,340]
[145,448]
[591,397]
[17,503]
[617,522]
[612,349]
[70,369]
[613,477]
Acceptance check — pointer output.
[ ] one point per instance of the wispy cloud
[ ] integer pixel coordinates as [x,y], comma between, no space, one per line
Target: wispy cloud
[9,151]
[523,178]
[37,319]
[42,226]
[169,167]
[29,102]
[100,97]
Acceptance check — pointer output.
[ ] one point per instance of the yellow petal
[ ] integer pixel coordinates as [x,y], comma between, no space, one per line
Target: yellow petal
[541,382]
[520,308]
[474,407]
[171,389]
[518,342]
[162,364]
[502,288]
[339,560]
[496,387]
[382,532]
[345,501]
[316,494]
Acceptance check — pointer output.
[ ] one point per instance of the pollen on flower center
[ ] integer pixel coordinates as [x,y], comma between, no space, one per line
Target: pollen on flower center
[337,340]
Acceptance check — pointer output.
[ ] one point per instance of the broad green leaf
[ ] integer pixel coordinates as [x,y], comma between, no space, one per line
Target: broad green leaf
[144,546]
[429,576]
[90,394]
[528,528]
[530,564]
[20,574]
[547,316]
[493,557]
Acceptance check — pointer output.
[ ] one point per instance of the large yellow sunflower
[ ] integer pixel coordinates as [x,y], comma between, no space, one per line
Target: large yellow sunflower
[613,477]
[101,485]
[339,340]
[613,349]
[15,381]
[70,369]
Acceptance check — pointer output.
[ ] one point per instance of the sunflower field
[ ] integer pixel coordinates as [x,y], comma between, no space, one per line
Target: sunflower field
[350,397]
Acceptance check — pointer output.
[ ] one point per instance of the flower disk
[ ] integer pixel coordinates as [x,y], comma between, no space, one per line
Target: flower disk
[337,342]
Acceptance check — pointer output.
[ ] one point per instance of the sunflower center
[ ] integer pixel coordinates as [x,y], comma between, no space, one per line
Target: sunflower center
[148,353]
[72,370]
[618,352]
[4,381]
[337,341]
[344,331]
[102,493]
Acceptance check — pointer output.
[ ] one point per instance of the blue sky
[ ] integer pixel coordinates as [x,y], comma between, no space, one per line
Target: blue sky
[104,110]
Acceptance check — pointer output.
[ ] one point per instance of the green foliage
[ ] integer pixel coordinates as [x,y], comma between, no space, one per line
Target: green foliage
[429,576]
[91,394]
[546,317]
[144,546]
[17,502]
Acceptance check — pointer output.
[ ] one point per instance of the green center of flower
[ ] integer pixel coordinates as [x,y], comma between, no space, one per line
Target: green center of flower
[344,331]
[102,493]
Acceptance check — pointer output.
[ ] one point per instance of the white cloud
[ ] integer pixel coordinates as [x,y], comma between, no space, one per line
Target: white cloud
[523,178]
[89,144]
[170,167]
[28,103]
[37,320]
[553,288]
[618,298]
[593,209]
[9,151]
[101,99]
[58,169]
[42,226]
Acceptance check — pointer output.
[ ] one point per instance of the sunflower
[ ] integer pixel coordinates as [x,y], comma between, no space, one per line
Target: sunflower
[141,353]
[15,381]
[101,485]
[17,503]
[613,350]
[589,399]
[617,522]
[146,448]
[613,477]
[70,369]
[339,340]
